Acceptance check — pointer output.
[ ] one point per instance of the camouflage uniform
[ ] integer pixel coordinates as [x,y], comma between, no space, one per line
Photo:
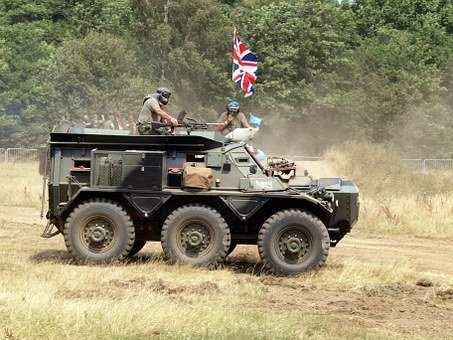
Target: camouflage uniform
[148,115]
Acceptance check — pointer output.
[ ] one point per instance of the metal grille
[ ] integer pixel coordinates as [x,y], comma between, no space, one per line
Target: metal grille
[115,174]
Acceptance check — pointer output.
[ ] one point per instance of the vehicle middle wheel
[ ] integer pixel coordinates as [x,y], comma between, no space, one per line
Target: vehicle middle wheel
[99,231]
[196,235]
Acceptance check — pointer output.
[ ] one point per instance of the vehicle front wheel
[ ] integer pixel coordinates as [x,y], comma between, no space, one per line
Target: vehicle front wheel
[197,235]
[293,241]
[99,231]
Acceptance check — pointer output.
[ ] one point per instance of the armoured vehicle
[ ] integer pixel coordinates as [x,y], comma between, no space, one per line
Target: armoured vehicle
[199,194]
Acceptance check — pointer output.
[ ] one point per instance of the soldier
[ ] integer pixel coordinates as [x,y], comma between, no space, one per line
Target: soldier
[86,122]
[232,118]
[152,112]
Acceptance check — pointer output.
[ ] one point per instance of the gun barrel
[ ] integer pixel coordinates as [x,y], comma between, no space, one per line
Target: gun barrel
[158,125]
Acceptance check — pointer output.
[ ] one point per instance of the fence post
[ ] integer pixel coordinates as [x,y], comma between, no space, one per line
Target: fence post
[6,155]
[424,165]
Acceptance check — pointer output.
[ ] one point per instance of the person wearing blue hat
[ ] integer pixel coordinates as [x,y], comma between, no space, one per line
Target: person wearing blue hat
[232,118]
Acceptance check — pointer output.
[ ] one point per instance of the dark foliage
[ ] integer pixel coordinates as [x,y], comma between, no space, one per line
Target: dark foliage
[375,70]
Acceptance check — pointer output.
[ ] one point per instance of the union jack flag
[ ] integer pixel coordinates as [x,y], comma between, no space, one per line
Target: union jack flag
[244,66]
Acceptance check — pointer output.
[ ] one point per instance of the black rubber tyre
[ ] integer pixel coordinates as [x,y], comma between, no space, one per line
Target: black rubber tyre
[233,245]
[293,241]
[197,235]
[99,231]
[138,245]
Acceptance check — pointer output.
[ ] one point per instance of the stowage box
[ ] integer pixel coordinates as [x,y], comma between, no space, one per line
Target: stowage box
[128,169]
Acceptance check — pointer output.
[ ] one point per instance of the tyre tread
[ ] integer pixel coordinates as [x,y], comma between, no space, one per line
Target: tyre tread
[267,226]
[129,226]
[220,257]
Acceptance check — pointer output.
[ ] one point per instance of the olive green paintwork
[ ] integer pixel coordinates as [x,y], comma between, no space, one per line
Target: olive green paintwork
[135,171]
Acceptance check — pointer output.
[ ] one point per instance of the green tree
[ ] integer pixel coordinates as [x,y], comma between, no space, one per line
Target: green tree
[94,75]
[30,33]
[186,44]
[388,75]
[428,20]
[296,41]
[110,16]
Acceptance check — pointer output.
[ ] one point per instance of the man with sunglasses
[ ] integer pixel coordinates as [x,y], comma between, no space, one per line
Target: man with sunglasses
[232,118]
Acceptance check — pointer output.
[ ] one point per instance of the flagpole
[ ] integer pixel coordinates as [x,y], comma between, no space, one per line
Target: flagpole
[232,51]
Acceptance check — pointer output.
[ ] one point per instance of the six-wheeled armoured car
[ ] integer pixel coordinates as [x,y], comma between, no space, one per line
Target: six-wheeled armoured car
[198,194]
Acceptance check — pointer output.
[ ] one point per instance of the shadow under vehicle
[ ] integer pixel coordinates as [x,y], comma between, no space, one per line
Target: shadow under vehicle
[197,193]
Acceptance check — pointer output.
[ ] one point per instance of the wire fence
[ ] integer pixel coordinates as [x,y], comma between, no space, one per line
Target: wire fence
[413,163]
[13,155]
[437,164]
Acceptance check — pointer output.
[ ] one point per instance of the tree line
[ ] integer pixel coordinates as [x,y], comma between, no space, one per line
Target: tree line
[329,71]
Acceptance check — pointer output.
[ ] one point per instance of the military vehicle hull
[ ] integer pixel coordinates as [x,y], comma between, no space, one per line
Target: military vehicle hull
[109,194]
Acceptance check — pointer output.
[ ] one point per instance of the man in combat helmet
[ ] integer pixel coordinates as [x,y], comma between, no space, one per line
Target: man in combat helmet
[152,114]
[232,118]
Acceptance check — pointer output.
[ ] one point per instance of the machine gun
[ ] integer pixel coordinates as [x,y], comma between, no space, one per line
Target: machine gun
[188,123]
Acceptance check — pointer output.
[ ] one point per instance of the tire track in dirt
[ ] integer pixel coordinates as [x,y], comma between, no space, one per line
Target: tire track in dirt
[397,309]
[430,255]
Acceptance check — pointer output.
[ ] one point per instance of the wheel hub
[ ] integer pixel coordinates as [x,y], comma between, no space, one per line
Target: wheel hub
[294,245]
[98,234]
[195,238]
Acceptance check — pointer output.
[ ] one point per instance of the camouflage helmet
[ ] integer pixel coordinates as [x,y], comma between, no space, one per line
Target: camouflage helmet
[163,95]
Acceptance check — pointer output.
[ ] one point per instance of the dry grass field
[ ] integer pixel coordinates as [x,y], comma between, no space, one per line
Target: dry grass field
[391,278]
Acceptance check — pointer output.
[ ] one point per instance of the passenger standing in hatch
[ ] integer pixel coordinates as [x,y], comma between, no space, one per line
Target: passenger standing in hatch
[232,118]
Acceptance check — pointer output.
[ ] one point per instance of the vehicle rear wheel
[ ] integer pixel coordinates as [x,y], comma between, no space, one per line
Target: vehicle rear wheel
[99,231]
[196,235]
[138,245]
[293,241]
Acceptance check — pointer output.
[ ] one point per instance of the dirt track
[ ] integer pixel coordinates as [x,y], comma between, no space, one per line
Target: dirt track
[424,309]
[435,256]
[408,310]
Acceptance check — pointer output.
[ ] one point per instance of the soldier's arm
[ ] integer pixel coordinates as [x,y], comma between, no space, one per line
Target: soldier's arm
[244,120]
[164,115]
[223,122]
